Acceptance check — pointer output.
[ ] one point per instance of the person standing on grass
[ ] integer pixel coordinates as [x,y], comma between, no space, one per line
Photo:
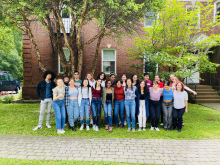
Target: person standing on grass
[71,102]
[78,82]
[135,82]
[112,78]
[84,99]
[92,82]
[167,106]
[58,106]
[119,104]
[130,104]
[180,105]
[66,82]
[44,91]
[142,93]
[107,104]
[155,93]
[96,103]
[124,78]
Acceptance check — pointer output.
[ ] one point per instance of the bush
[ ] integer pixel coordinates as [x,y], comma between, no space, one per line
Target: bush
[20,94]
[8,97]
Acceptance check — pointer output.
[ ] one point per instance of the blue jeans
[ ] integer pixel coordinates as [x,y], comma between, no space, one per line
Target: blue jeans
[108,112]
[96,107]
[73,111]
[119,106]
[59,110]
[130,107]
[84,108]
[178,114]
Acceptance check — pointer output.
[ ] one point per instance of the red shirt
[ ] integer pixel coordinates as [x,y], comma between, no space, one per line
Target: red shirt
[160,85]
[96,93]
[119,93]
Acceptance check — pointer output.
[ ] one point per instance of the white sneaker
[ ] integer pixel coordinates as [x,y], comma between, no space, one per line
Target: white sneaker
[151,128]
[139,129]
[125,123]
[87,127]
[97,128]
[62,130]
[161,123]
[48,125]
[133,129]
[81,128]
[94,127]
[91,122]
[144,128]
[157,129]
[119,122]
[59,131]
[129,129]
[38,127]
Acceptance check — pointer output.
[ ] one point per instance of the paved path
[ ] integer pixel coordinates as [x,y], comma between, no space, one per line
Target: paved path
[118,150]
[215,106]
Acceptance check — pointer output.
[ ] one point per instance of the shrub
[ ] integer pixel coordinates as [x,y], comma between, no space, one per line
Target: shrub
[20,94]
[8,98]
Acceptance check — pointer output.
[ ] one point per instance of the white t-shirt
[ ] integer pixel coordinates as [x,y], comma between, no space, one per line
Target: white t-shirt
[179,99]
[92,83]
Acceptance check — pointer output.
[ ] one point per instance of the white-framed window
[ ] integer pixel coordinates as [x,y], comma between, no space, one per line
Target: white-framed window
[149,67]
[196,18]
[109,60]
[67,55]
[217,10]
[150,17]
[66,18]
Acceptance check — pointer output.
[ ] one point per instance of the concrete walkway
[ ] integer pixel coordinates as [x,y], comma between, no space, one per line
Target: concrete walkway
[215,106]
[115,150]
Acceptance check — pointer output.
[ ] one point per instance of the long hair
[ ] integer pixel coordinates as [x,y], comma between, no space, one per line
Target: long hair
[126,87]
[98,77]
[146,89]
[53,75]
[96,84]
[137,82]
[83,85]
[92,79]
[182,89]
[175,78]
[106,82]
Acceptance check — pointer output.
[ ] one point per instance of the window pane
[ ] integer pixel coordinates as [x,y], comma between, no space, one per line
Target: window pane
[218,10]
[149,18]
[6,78]
[66,13]
[108,66]
[11,78]
[108,55]
[67,53]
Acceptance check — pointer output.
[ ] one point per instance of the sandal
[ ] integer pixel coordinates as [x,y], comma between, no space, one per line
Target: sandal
[110,129]
[106,127]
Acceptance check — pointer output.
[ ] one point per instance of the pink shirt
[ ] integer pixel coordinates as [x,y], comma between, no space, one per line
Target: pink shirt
[155,96]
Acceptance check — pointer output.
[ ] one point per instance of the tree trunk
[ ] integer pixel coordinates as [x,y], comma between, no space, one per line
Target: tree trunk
[96,53]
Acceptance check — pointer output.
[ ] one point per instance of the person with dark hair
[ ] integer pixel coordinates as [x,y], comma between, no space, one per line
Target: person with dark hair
[96,103]
[135,82]
[119,103]
[130,104]
[142,93]
[155,93]
[167,106]
[44,91]
[147,80]
[107,103]
[84,99]
[71,102]
[112,78]
[66,82]
[78,82]
[102,76]
[180,105]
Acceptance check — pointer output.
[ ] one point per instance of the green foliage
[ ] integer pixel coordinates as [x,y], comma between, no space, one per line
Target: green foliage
[177,41]
[20,94]
[8,98]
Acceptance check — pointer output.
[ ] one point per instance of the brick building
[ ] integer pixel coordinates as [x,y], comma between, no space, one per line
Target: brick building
[112,57]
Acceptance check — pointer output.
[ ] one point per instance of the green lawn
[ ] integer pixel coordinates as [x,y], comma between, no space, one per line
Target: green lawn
[20,119]
[54,162]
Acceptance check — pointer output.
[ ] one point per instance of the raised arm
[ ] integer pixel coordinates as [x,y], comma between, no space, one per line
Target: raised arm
[190,90]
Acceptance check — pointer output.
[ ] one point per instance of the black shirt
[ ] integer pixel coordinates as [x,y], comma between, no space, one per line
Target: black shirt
[142,97]
[109,96]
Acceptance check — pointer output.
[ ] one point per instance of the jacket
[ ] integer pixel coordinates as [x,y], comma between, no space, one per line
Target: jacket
[104,96]
[80,95]
[66,96]
[41,89]
[146,102]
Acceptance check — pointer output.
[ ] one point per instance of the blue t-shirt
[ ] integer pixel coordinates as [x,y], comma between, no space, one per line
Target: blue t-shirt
[48,93]
[167,95]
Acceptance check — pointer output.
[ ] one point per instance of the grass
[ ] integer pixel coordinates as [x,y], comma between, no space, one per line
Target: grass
[54,162]
[19,119]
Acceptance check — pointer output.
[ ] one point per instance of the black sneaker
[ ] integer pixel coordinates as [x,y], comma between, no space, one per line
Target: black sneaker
[169,129]
[165,129]
[174,129]
[73,129]
[69,125]
[179,130]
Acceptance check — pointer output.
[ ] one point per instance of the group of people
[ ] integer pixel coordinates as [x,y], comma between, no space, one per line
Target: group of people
[129,100]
